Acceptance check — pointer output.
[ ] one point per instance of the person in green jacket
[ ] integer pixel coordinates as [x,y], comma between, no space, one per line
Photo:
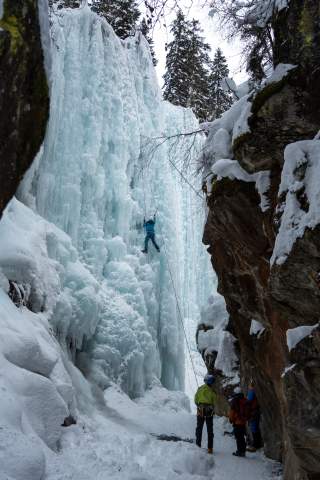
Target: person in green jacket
[205,399]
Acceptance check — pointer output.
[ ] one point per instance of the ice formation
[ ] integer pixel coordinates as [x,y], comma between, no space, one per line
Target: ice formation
[96,177]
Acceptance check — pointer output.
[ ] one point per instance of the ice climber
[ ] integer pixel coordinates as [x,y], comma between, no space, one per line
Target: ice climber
[150,234]
[205,399]
[238,416]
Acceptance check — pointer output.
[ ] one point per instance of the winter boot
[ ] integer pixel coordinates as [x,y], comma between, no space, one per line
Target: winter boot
[144,251]
[210,451]
[239,454]
[251,449]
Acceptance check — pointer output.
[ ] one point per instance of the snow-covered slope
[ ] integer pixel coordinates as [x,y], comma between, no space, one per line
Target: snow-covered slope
[71,245]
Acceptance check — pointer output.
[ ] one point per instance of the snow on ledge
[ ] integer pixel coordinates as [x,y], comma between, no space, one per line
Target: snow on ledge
[295,335]
[226,168]
[299,179]
[288,369]
[280,72]
[256,328]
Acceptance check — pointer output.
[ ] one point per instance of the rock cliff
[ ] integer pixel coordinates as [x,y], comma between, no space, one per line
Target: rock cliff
[24,103]
[267,263]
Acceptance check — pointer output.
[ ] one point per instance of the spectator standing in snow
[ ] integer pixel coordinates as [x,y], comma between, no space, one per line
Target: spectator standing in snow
[238,416]
[254,421]
[150,233]
[205,399]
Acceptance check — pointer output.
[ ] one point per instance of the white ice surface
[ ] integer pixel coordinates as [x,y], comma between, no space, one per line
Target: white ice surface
[304,155]
[295,335]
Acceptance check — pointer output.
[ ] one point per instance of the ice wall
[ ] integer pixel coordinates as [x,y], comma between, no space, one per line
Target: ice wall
[96,177]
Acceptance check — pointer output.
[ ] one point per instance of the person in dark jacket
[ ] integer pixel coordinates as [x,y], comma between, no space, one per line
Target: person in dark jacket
[205,399]
[238,416]
[254,420]
[150,234]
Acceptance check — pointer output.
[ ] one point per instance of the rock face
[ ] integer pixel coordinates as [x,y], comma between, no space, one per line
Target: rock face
[24,103]
[241,239]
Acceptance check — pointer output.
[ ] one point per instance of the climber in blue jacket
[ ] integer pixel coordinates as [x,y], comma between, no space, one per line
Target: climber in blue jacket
[150,234]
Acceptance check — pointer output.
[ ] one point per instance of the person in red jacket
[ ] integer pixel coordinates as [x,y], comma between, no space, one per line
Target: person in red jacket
[238,416]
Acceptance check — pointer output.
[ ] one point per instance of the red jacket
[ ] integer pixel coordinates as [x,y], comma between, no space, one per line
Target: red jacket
[240,411]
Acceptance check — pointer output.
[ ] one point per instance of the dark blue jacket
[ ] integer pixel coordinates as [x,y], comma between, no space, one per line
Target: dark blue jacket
[149,226]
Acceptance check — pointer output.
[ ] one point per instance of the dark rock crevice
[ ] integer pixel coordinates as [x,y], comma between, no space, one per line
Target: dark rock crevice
[24,98]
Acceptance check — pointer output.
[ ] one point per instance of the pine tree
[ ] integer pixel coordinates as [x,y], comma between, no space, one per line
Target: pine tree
[121,14]
[198,62]
[65,3]
[144,28]
[186,81]
[220,98]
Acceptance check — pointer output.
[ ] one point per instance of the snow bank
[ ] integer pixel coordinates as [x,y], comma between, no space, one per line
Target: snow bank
[300,185]
[34,403]
[295,335]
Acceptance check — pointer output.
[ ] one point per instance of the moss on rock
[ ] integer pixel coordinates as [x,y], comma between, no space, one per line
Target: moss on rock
[24,96]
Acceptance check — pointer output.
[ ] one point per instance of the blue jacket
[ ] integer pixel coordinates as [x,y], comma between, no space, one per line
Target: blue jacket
[149,226]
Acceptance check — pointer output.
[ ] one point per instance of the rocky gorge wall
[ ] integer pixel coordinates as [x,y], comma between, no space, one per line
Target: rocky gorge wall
[25,105]
[267,258]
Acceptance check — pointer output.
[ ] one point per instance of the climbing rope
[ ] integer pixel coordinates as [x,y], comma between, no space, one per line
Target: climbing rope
[178,307]
[185,178]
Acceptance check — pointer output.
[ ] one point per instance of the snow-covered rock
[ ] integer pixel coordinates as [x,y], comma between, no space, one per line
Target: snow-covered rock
[301,207]
[295,335]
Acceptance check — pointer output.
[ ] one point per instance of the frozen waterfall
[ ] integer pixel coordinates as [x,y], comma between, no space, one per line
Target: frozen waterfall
[96,177]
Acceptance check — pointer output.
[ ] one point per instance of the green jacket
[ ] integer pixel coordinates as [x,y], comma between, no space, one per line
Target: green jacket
[205,395]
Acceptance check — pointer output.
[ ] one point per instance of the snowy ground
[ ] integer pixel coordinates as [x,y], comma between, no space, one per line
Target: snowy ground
[118,444]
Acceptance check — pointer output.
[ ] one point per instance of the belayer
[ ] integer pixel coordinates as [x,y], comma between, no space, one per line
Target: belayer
[254,421]
[238,417]
[205,399]
[150,234]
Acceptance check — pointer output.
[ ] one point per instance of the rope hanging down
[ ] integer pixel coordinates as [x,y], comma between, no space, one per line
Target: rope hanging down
[179,309]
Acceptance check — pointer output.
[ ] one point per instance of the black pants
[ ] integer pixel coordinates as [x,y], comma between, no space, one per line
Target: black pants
[150,236]
[200,423]
[256,439]
[240,432]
